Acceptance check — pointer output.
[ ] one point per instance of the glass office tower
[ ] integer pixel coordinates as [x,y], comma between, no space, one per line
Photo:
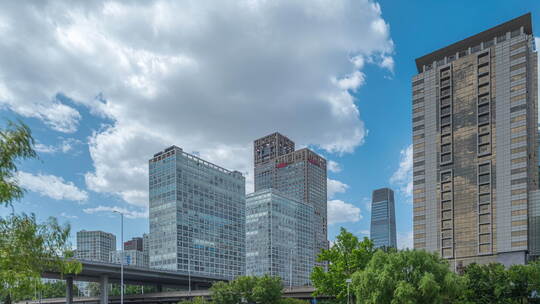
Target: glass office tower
[475,147]
[95,245]
[197,216]
[383,218]
[279,237]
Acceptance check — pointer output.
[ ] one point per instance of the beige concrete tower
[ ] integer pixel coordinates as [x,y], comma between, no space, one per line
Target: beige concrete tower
[475,147]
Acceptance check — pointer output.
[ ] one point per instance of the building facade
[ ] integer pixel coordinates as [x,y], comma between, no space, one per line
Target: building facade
[197,216]
[135,243]
[131,257]
[475,147]
[300,175]
[383,218]
[279,237]
[95,245]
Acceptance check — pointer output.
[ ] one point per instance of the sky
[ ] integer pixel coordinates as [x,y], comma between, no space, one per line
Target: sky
[106,84]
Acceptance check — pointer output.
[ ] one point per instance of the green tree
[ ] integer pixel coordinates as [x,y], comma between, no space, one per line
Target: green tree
[27,248]
[408,276]
[260,290]
[487,284]
[347,256]
[55,289]
[196,300]
[16,143]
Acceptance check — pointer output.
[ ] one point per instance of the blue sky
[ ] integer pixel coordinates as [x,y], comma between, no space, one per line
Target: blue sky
[105,85]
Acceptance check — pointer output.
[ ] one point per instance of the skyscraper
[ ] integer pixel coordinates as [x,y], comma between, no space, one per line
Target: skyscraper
[475,147]
[197,215]
[383,218]
[135,243]
[95,245]
[279,237]
[300,175]
[287,216]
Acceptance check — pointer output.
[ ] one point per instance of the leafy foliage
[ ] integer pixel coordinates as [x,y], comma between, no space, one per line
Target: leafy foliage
[260,290]
[16,142]
[197,300]
[27,249]
[347,256]
[407,276]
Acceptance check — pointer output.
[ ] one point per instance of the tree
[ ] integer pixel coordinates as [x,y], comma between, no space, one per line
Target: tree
[27,249]
[407,276]
[347,256]
[196,300]
[16,143]
[487,283]
[260,290]
[55,289]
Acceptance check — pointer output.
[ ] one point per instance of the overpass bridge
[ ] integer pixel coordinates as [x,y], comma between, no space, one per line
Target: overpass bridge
[172,297]
[106,273]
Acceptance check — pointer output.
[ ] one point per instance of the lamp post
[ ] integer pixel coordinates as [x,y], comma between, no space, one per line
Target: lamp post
[121,256]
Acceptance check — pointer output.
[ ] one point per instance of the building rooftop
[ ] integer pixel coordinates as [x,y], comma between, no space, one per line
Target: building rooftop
[521,21]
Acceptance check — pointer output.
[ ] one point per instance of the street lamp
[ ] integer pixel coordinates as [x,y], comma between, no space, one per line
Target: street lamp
[348,281]
[121,256]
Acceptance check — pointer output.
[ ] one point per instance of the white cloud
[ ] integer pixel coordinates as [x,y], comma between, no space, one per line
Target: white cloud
[65,146]
[405,240]
[65,215]
[335,186]
[207,76]
[51,186]
[402,177]
[342,212]
[333,166]
[130,214]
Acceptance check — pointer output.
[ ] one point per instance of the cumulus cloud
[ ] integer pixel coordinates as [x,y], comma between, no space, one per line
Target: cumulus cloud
[207,76]
[51,186]
[342,212]
[333,166]
[402,177]
[65,146]
[335,186]
[130,214]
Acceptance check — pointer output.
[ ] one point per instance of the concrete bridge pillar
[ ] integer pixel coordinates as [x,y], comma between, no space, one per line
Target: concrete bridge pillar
[104,290]
[69,290]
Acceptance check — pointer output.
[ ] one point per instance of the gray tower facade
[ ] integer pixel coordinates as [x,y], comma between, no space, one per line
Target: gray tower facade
[383,218]
[475,147]
[95,245]
[197,216]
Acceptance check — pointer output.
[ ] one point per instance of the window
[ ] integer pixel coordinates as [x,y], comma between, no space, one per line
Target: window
[446,158]
[518,66]
[485,228]
[484,218]
[518,45]
[445,110]
[446,139]
[518,150]
[483,168]
[517,56]
[483,139]
[446,129]
[484,118]
[485,238]
[418,100]
[485,178]
[444,121]
[446,148]
[501,38]
[515,33]
[483,108]
[517,77]
[446,176]
[518,129]
[518,118]
[417,82]
[517,87]
[519,212]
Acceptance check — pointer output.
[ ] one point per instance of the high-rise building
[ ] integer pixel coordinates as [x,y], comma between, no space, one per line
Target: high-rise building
[265,152]
[279,237]
[383,218]
[95,245]
[135,243]
[300,175]
[475,147]
[197,216]
[131,257]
